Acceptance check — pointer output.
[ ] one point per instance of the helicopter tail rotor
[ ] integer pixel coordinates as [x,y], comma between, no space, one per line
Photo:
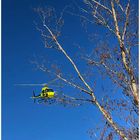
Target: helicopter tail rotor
[34,96]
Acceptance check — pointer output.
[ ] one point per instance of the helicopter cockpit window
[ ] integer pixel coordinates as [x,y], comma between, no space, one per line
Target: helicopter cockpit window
[50,90]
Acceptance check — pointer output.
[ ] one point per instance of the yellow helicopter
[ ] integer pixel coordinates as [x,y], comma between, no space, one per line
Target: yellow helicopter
[46,92]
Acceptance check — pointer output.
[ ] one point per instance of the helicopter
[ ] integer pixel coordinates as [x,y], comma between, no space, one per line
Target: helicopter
[46,93]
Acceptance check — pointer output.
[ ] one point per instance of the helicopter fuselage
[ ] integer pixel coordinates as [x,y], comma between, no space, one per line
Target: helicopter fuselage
[48,93]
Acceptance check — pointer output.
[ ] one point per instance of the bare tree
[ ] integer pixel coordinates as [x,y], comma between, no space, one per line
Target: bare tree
[117,63]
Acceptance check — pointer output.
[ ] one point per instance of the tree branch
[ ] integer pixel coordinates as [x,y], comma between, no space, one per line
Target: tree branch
[126,22]
[123,54]
[67,56]
[43,68]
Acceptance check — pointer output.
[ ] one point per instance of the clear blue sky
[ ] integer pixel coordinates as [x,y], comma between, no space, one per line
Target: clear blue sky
[21,118]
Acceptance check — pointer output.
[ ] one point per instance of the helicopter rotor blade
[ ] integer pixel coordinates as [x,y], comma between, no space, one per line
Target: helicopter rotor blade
[43,84]
[30,84]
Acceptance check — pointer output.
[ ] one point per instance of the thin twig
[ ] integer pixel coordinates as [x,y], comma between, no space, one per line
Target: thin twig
[127,20]
[103,6]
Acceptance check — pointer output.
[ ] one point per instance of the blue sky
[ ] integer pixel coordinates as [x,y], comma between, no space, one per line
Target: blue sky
[21,118]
